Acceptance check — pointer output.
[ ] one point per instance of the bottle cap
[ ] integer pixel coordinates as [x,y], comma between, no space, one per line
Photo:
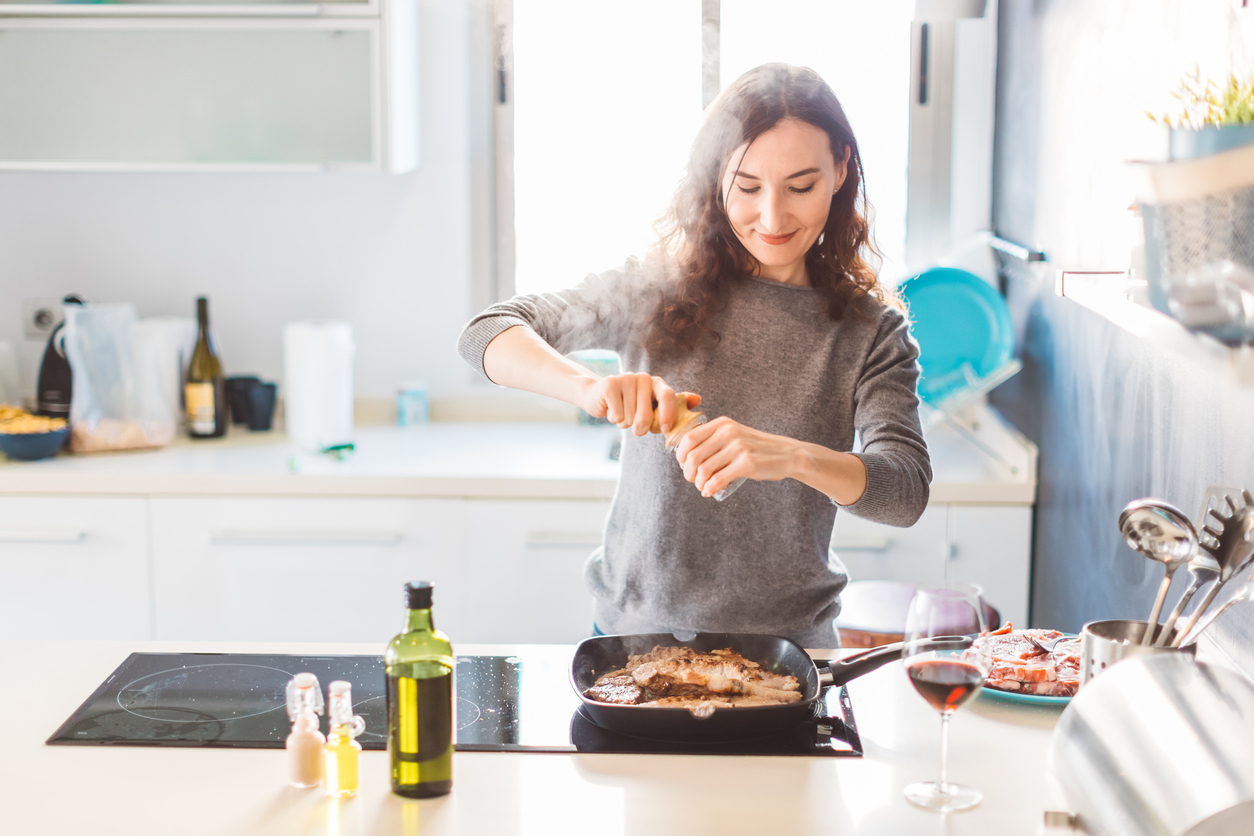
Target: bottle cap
[303,695]
[338,687]
[418,595]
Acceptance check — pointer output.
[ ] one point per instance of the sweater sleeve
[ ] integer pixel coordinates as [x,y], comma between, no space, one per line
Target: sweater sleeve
[605,311]
[886,414]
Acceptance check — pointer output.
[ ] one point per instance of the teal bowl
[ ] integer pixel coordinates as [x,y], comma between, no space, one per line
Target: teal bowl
[27,447]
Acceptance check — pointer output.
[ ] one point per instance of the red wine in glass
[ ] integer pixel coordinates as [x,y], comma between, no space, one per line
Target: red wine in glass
[940,625]
[946,684]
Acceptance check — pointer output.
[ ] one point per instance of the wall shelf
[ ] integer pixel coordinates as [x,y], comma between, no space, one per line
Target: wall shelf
[1122,300]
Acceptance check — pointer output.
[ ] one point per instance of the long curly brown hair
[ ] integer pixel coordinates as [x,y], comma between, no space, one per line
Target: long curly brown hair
[709,256]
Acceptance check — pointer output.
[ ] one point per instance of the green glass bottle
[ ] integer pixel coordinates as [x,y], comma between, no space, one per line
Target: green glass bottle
[420,701]
[204,391]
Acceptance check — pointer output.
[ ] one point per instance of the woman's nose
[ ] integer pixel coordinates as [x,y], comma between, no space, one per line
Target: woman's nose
[773,212]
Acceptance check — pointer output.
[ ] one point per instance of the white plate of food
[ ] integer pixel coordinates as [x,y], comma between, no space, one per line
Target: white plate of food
[1021,672]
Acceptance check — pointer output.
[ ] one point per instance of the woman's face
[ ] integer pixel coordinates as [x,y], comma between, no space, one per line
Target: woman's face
[778,194]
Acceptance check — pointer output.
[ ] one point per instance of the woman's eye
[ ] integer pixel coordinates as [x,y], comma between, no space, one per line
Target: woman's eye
[806,190]
[754,190]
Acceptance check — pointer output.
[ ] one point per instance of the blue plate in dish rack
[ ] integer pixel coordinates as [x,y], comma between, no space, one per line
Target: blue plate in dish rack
[963,329]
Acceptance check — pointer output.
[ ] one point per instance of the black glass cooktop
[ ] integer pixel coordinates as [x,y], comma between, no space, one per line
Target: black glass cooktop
[504,703]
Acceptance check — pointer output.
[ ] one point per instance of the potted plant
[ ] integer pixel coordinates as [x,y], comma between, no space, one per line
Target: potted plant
[1210,118]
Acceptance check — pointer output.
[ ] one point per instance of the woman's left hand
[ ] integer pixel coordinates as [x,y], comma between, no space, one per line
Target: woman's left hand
[716,454]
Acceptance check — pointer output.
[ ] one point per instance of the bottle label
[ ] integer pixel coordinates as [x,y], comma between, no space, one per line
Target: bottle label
[421,726]
[200,407]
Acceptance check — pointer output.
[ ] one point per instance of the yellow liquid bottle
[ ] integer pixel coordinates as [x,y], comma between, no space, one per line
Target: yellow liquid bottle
[342,747]
[420,665]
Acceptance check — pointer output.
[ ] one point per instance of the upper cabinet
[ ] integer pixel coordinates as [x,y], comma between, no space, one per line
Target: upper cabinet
[223,86]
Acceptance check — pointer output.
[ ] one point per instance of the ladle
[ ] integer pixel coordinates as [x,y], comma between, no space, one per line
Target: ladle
[1204,570]
[1161,532]
[1233,550]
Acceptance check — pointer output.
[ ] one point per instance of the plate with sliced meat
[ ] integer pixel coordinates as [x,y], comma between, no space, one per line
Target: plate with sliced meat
[1034,667]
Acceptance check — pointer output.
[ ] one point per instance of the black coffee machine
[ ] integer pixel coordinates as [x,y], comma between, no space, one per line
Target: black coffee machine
[55,383]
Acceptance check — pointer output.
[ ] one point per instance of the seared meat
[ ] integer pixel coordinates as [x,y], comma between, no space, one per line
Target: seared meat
[621,690]
[701,682]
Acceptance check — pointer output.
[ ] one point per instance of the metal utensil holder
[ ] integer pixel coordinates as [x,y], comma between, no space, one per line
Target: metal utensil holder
[1103,643]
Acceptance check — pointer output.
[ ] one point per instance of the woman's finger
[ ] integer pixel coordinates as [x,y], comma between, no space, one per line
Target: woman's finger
[665,397]
[696,436]
[611,396]
[720,470]
[724,478]
[643,418]
[626,400]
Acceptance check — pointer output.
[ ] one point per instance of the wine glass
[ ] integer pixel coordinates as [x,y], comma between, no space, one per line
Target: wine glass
[940,625]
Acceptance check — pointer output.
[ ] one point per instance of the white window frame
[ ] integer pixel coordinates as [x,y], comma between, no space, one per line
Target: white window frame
[951,134]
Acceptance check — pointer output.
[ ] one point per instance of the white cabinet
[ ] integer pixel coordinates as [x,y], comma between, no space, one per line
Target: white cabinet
[74,568]
[987,545]
[873,551]
[992,546]
[161,86]
[524,559]
[332,569]
[299,569]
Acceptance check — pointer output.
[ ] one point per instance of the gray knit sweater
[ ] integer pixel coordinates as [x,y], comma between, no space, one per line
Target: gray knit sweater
[759,561]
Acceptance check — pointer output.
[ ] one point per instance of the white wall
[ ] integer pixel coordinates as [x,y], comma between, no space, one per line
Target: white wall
[390,253]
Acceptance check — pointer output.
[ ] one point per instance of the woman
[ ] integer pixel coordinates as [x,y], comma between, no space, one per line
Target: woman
[760,300]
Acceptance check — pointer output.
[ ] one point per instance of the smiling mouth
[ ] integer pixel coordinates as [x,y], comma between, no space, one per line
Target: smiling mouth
[776,239]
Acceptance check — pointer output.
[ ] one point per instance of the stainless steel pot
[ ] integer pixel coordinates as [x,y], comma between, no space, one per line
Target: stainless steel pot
[1159,746]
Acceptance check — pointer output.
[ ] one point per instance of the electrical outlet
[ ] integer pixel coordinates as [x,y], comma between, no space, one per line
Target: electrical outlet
[40,316]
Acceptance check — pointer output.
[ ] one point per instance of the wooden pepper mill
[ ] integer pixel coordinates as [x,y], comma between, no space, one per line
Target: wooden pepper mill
[685,419]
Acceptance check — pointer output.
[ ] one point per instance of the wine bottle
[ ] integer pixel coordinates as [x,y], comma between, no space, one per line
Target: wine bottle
[204,395]
[419,663]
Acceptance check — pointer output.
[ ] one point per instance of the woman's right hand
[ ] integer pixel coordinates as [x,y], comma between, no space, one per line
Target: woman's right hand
[627,401]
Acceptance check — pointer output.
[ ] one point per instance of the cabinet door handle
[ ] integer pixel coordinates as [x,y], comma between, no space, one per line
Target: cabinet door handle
[18,535]
[563,539]
[861,544]
[240,537]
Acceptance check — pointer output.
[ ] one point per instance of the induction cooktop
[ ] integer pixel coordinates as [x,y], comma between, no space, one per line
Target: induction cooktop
[518,703]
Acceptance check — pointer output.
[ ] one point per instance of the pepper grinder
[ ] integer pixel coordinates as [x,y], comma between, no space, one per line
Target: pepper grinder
[685,420]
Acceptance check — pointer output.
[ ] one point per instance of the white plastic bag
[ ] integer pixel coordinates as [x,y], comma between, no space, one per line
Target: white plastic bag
[118,403]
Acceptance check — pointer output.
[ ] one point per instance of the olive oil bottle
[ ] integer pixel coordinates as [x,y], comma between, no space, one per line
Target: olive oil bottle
[419,665]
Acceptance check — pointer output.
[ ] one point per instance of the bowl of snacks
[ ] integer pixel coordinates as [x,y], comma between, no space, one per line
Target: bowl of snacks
[27,437]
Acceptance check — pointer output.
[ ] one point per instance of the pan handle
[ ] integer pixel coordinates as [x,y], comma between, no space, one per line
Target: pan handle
[840,671]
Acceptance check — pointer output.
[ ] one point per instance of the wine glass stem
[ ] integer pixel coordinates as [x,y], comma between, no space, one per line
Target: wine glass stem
[944,783]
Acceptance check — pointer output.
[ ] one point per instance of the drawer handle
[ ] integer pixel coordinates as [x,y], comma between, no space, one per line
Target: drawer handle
[861,544]
[271,10]
[20,536]
[563,539]
[237,537]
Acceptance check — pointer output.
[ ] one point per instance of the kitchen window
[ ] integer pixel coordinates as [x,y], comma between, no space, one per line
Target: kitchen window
[597,104]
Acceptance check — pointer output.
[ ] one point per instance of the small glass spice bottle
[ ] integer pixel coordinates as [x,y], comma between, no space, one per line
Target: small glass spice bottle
[304,744]
[342,747]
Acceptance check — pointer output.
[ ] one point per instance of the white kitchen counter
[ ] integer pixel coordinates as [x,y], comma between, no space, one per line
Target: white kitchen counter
[998,748]
[534,460]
